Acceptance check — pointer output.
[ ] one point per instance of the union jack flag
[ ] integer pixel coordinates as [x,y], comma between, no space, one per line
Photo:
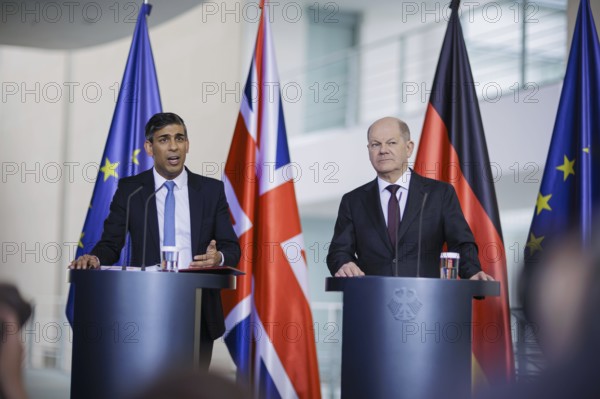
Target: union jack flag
[268,319]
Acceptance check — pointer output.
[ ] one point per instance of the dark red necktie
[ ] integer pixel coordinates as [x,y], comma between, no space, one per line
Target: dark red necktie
[393,212]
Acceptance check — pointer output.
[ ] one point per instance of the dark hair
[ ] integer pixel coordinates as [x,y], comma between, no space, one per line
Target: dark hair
[11,297]
[160,120]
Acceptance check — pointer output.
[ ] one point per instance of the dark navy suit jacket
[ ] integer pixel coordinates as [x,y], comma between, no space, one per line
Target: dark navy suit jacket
[361,235]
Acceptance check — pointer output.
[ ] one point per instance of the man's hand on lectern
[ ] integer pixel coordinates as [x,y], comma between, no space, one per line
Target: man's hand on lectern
[349,269]
[85,262]
[212,257]
[482,276]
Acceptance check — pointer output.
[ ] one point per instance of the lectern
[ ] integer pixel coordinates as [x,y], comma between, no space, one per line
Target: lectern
[131,327]
[407,337]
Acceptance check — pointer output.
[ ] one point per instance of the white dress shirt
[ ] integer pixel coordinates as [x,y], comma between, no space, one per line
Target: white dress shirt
[183,230]
[384,194]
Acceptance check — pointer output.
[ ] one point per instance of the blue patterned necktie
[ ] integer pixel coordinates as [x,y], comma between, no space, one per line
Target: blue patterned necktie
[169,222]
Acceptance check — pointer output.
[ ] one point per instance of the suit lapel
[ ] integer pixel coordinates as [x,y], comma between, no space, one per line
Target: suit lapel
[372,204]
[195,196]
[416,192]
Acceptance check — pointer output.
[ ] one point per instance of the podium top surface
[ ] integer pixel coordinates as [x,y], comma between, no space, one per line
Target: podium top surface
[472,287]
[198,280]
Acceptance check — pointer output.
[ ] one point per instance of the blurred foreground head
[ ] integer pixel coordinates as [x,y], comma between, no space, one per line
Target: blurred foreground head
[561,296]
[14,312]
[12,301]
[194,385]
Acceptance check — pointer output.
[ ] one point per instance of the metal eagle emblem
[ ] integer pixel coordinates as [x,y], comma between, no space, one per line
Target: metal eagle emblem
[405,304]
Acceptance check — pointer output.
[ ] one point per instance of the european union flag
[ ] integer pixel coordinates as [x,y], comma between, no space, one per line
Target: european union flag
[124,153]
[570,185]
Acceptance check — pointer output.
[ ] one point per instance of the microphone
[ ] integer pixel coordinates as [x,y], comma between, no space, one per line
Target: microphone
[146,226]
[396,245]
[420,228]
[137,190]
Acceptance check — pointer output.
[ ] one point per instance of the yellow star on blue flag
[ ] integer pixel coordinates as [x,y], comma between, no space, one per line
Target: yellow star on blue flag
[568,168]
[134,156]
[109,169]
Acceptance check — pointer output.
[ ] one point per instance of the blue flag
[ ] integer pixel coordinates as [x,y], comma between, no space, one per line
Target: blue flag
[124,153]
[571,182]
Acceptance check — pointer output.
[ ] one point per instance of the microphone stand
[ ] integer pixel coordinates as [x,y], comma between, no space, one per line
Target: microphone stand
[419,238]
[146,226]
[137,190]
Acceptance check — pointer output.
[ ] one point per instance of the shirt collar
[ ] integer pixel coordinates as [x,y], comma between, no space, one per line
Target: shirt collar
[180,181]
[403,181]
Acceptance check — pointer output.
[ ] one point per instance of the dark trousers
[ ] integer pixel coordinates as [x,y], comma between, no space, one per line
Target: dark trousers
[206,347]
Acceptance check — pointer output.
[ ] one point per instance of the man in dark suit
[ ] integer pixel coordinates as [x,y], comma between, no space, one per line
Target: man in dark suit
[386,210]
[199,225]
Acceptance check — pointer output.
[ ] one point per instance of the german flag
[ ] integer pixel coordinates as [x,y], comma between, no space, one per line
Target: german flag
[453,149]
